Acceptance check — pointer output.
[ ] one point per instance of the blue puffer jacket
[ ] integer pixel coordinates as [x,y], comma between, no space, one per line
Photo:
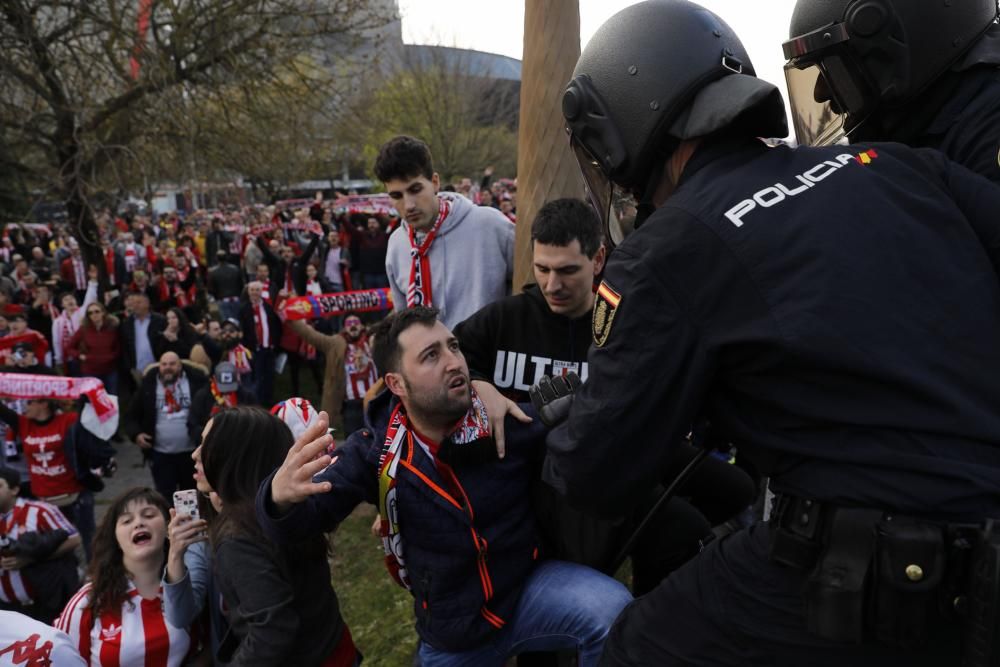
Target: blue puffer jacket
[467,562]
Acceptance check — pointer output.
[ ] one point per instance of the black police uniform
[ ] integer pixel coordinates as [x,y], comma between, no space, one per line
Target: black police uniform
[836,311]
[958,115]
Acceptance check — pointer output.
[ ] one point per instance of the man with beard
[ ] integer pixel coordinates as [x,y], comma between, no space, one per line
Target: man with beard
[230,348]
[349,369]
[157,421]
[457,508]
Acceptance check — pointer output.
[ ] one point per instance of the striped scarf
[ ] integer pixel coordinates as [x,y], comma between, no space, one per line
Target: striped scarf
[418,293]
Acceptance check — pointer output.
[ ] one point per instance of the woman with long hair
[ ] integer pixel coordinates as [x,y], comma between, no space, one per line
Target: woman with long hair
[178,336]
[282,609]
[117,618]
[97,345]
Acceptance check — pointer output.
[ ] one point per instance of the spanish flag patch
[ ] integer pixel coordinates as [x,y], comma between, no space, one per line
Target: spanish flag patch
[605,307]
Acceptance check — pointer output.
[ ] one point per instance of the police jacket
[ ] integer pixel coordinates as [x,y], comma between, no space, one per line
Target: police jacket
[836,313]
[467,562]
[513,342]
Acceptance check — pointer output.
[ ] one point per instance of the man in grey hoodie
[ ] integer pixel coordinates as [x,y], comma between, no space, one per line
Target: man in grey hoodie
[447,253]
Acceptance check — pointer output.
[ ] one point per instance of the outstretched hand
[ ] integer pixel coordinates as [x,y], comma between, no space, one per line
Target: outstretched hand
[292,483]
[498,407]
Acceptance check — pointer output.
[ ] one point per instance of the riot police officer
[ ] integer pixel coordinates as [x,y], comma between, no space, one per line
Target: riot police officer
[823,307]
[921,73]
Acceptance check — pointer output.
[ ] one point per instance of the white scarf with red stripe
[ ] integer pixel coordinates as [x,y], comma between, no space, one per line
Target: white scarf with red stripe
[419,293]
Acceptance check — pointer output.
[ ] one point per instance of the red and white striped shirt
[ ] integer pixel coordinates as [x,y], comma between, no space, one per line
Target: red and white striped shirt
[27,516]
[137,635]
[359,369]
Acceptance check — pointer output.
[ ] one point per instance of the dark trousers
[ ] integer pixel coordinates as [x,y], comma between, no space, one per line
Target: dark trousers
[172,472]
[263,371]
[731,606]
[80,513]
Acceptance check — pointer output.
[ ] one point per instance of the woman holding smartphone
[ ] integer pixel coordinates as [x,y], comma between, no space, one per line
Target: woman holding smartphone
[117,618]
[280,605]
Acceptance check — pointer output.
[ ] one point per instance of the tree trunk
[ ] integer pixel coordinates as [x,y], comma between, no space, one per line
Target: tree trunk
[546,168]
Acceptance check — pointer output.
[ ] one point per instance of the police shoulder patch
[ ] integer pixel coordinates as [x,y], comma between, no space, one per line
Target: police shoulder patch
[605,307]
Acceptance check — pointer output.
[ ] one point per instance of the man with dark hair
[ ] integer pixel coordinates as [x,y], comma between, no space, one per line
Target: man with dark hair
[447,252]
[37,567]
[546,330]
[460,515]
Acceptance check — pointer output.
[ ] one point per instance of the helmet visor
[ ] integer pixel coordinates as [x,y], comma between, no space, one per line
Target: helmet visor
[816,117]
[602,194]
[828,93]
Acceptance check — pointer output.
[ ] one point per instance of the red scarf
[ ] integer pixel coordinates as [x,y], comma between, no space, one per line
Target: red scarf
[181,298]
[170,399]
[419,291]
[240,357]
[222,401]
[109,264]
[474,426]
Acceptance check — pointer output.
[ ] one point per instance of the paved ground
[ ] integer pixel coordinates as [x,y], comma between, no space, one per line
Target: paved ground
[131,472]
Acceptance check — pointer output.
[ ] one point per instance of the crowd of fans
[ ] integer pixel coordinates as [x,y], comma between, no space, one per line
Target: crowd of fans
[185,321]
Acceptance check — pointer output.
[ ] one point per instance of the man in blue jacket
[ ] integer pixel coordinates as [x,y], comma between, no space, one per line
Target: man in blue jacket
[456,522]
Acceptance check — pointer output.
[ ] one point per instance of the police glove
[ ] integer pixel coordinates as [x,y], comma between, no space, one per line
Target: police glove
[553,397]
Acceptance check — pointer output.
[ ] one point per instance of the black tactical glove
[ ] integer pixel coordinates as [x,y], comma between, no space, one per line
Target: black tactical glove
[552,397]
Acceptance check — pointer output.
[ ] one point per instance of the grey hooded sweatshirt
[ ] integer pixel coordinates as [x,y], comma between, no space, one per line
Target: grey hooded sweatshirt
[471,260]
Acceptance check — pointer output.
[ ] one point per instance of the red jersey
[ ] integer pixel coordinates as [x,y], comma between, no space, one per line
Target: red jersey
[43,448]
[358,368]
[27,516]
[136,634]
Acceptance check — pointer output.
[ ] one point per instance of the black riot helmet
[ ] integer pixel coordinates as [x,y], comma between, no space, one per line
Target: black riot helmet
[848,60]
[654,74]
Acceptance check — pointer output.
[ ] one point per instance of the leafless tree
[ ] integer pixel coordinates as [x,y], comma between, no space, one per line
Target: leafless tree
[89,87]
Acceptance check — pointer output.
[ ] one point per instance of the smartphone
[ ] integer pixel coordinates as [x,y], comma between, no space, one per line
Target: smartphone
[186,503]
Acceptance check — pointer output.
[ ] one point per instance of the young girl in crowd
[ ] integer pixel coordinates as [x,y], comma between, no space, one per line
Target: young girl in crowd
[117,619]
[282,609]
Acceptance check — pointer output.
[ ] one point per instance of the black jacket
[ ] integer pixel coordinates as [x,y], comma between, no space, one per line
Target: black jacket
[280,605]
[513,342]
[225,281]
[203,408]
[467,561]
[157,324]
[250,331]
[141,415]
[834,311]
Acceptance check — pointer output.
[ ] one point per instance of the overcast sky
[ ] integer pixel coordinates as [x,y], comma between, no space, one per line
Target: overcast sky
[497,26]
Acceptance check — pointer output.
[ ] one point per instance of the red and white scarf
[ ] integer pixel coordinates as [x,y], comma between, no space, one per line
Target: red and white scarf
[473,426]
[240,357]
[222,401]
[419,291]
[21,385]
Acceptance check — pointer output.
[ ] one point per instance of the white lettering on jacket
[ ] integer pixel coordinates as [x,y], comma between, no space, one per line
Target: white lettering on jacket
[777,193]
[509,371]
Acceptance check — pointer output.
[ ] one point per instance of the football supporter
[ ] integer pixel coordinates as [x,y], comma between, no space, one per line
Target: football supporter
[37,566]
[117,618]
[280,605]
[25,641]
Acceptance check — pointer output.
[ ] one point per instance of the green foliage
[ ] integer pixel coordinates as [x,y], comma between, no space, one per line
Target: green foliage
[468,121]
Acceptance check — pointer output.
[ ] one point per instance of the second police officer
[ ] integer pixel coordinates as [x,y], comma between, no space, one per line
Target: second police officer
[917,72]
[834,311]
